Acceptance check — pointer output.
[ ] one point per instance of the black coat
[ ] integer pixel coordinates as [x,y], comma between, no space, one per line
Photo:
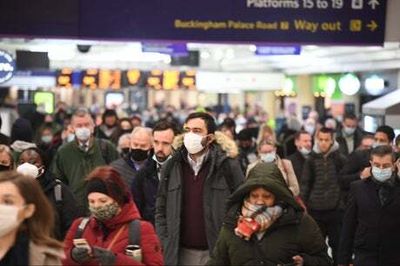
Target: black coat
[144,189]
[298,161]
[357,137]
[66,209]
[354,165]
[372,230]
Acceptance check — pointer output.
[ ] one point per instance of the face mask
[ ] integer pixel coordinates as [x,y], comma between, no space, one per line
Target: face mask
[381,174]
[192,142]
[125,152]
[105,212]
[82,133]
[126,131]
[304,151]
[4,168]
[310,129]
[70,137]
[8,219]
[46,139]
[28,169]
[349,131]
[139,155]
[377,144]
[160,162]
[268,157]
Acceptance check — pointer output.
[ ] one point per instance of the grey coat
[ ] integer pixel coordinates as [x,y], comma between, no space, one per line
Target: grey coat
[224,169]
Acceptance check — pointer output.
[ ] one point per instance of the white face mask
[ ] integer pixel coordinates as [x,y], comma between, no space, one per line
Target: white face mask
[8,219]
[304,151]
[192,142]
[30,170]
[310,129]
[82,133]
[349,131]
[268,157]
[70,137]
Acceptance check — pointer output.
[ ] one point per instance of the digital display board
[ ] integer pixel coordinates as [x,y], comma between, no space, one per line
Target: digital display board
[45,99]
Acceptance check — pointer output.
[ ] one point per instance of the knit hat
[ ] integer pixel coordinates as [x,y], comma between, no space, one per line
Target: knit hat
[111,189]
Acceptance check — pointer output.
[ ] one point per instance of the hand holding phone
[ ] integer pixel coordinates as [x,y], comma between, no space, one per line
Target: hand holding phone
[82,243]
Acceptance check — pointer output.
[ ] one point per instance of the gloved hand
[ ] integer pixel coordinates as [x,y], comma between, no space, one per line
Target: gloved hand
[103,256]
[80,255]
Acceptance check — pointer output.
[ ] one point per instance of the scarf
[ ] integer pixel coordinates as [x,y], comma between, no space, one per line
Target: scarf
[256,219]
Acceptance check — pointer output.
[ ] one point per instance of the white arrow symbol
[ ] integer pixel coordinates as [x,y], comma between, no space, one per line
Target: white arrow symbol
[373,3]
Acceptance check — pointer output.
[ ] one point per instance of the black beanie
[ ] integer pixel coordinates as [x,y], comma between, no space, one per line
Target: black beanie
[113,191]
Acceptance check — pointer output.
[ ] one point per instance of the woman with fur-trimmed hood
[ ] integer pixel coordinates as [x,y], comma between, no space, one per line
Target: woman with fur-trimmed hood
[266,226]
[194,186]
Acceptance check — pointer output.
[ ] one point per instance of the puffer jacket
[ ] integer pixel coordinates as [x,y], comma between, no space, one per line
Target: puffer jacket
[293,233]
[320,187]
[223,169]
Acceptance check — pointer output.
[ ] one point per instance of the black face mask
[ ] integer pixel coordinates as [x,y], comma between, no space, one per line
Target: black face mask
[139,155]
[125,152]
[4,168]
[126,131]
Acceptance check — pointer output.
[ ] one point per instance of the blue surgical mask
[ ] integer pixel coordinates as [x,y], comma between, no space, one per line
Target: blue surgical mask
[382,175]
[268,157]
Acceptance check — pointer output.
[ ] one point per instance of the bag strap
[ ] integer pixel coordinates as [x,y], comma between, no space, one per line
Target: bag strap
[116,237]
[58,191]
[134,232]
[81,227]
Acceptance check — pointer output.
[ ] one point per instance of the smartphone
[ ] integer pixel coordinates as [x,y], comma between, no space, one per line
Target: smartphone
[81,243]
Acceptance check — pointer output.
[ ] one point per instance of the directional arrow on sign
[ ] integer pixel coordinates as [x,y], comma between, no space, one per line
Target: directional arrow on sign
[372,25]
[373,3]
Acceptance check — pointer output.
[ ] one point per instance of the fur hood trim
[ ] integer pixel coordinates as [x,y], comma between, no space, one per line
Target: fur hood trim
[227,145]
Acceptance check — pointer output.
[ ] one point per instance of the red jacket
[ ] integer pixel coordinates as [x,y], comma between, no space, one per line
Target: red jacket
[93,233]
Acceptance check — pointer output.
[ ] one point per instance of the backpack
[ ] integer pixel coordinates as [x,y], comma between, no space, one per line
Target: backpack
[134,231]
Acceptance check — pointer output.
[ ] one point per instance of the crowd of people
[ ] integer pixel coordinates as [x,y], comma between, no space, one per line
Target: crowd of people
[198,190]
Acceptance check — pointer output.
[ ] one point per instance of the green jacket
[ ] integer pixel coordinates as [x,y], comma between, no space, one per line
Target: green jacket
[294,233]
[71,165]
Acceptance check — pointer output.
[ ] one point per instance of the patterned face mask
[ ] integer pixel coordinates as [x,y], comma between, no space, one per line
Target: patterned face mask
[105,212]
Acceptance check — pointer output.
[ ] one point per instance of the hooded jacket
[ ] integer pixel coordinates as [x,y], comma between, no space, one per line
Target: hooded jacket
[102,234]
[223,176]
[293,233]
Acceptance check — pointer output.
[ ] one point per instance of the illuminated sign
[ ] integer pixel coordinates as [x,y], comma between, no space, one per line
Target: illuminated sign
[7,66]
[154,80]
[64,78]
[188,79]
[133,77]
[171,79]
[44,99]
[110,79]
[90,79]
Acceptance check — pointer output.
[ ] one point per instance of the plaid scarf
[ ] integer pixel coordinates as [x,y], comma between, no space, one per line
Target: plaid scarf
[263,216]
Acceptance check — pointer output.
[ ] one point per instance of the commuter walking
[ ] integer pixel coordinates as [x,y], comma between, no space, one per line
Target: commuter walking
[303,143]
[139,153]
[320,187]
[265,226]
[194,186]
[32,162]
[75,159]
[145,184]
[350,135]
[114,233]
[26,223]
[372,218]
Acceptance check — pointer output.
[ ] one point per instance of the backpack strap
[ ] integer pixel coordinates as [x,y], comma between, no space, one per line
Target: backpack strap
[134,232]
[81,227]
[103,149]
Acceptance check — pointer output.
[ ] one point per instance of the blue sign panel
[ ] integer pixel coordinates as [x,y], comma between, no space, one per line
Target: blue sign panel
[255,21]
[177,49]
[278,50]
[7,66]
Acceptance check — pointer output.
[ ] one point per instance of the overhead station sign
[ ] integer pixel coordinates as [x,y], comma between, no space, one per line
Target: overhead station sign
[337,22]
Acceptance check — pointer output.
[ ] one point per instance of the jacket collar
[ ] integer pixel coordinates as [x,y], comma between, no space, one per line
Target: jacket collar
[38,253]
